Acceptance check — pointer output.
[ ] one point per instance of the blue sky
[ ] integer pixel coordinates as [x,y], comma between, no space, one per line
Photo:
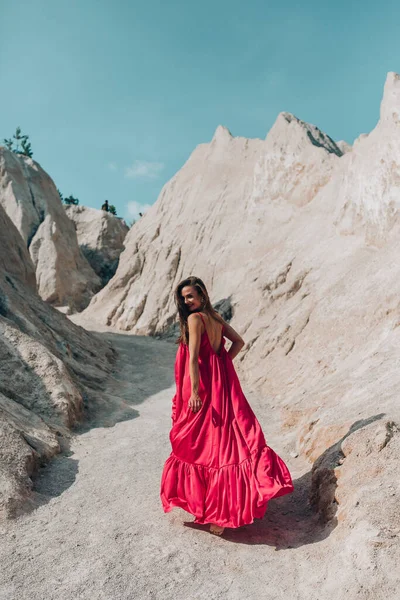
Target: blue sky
[115,95]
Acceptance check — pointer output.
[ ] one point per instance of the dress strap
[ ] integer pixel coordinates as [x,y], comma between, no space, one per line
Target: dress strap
[202,318]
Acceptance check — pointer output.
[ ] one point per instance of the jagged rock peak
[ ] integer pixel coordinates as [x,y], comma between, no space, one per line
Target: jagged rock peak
[289,117]
[222,134]
[390,105]
[317,137]
[344,146]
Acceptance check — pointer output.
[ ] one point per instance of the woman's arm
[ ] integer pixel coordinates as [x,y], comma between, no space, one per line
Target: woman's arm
[194,323]
[235,338]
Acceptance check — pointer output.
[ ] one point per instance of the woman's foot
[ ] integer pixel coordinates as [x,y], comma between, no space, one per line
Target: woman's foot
[216,529]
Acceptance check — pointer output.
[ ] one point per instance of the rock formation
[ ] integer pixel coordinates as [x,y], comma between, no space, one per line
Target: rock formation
[49,368]
[100,237]
[31,200]
[215,216]
[301,234]
[369,187]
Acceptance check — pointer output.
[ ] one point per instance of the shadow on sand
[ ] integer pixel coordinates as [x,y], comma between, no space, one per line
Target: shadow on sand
[144,368]
[296,519]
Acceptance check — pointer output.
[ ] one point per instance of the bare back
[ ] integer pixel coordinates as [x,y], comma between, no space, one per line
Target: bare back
[214,331]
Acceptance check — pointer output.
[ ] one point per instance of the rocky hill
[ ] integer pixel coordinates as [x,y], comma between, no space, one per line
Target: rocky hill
[296,237]
[31,200]
[51,373]
[100,237]
[300,235]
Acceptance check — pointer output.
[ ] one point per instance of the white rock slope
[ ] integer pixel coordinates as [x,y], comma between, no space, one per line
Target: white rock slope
[301,235]
[49,369]
[100,237]
[214,217]
[30,198]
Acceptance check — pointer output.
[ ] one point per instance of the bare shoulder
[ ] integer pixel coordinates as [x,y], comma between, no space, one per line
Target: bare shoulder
[194,319]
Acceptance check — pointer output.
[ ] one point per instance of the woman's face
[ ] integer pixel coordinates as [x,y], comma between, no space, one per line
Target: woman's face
[191,297]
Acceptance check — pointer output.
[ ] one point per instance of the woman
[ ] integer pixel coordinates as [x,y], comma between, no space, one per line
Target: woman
[220,469]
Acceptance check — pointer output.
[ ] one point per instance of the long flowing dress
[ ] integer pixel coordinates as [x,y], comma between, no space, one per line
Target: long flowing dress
[220,469]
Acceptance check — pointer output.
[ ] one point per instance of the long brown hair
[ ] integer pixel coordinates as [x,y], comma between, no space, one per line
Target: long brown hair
[184,312]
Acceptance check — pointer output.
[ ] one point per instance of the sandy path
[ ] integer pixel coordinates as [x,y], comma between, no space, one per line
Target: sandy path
[99,531]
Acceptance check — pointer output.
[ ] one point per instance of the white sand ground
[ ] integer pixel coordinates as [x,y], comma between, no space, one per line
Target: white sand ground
[99,531]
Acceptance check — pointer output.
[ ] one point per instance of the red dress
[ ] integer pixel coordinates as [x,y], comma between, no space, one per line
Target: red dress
[220,469]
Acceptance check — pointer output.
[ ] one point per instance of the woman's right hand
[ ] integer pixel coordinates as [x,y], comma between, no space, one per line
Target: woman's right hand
[195,402]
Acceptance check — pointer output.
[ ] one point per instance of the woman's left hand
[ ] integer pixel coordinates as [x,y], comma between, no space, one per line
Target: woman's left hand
[195,402]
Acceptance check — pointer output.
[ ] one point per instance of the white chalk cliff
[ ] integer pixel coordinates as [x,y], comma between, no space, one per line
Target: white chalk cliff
[31,200]
[48,366]
[100,237]
[368,187]
[300,234]
[296,237]
[216,216]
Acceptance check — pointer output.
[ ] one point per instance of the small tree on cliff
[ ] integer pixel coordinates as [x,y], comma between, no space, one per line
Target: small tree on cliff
[71,200]
[112,209]
[19,143]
